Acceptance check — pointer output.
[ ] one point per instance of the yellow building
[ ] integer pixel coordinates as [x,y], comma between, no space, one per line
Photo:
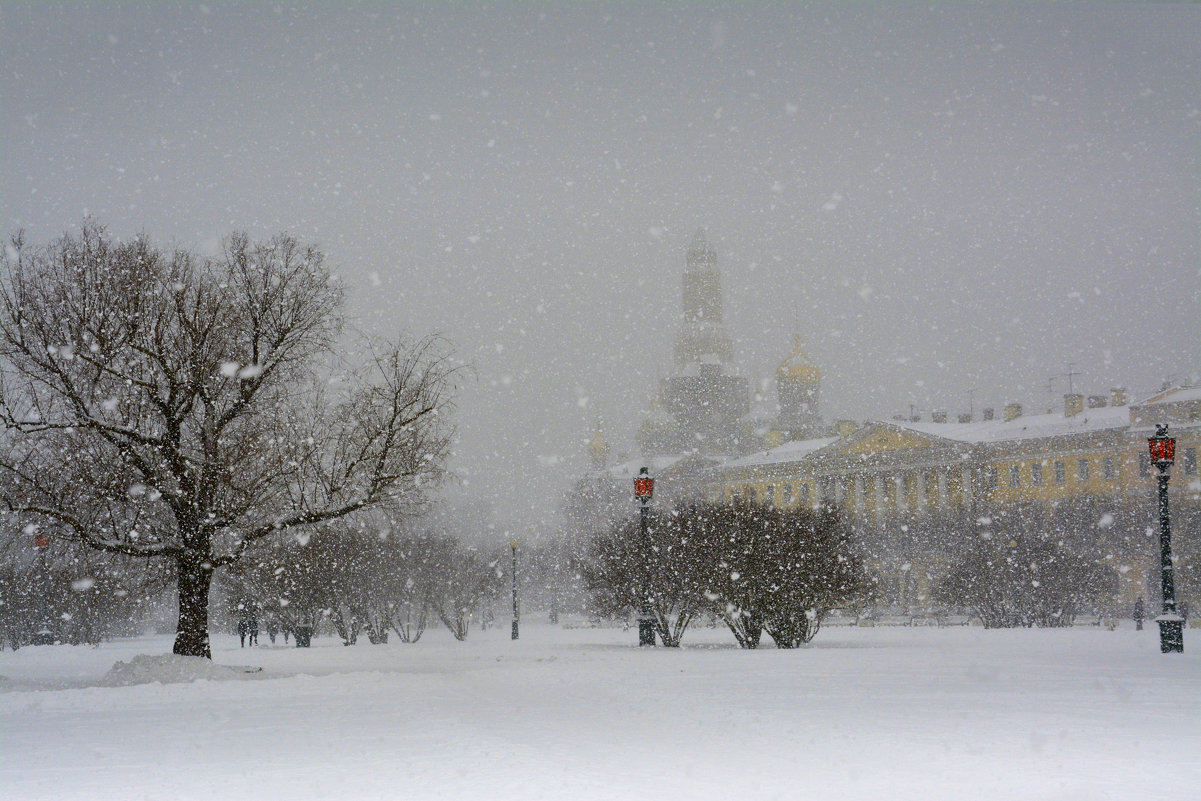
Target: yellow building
[1091,456]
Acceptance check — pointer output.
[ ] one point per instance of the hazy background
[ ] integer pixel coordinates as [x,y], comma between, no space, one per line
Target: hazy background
[938,200]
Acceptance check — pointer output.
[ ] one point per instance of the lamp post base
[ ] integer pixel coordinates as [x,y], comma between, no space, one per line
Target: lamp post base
[646,624]
[1171,633]
[646,632]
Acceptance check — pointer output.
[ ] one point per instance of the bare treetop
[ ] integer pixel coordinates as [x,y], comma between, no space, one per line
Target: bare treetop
[161,404]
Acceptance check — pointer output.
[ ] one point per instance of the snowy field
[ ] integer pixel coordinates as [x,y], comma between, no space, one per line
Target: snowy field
[568,714]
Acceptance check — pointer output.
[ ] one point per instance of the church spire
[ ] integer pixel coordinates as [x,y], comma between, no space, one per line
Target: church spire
[705,401]
[700,256]
[703,337]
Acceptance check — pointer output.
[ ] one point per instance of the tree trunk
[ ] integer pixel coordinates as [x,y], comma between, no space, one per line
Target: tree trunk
[194,577]
[747,628]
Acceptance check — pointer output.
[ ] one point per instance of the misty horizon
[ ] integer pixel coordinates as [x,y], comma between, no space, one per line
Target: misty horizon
[952,207]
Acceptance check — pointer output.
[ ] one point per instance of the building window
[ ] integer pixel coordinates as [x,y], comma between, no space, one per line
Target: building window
[825,488]
[990,477]
[1190,461]
[1144,465]
[1015,475]
[1110,468]
[1082,469]
[1061,473]
[1036,474]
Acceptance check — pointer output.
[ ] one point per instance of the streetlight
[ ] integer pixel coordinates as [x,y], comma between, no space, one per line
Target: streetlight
[43,636]
[644,490]
[1171,624]
[513,545]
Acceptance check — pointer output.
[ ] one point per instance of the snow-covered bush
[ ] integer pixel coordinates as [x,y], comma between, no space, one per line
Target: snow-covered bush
[1023,580]
[755,567]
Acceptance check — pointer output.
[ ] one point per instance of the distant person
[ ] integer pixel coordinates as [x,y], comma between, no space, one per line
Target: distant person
[252,629]
[1139,611]
[272,628]
[243,630]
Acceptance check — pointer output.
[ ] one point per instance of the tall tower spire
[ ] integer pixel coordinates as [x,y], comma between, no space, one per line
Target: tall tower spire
[703,337]
[703,404]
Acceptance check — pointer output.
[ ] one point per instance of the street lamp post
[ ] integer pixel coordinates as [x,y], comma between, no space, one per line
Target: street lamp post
[44,635]
[513,545]
[1171,624]
[644,490]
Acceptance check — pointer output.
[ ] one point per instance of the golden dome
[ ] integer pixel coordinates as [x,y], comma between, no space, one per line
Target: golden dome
[798,365]
[598,449]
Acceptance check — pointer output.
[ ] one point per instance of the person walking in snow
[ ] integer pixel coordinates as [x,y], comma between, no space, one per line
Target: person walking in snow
[1138,615]
[252,628]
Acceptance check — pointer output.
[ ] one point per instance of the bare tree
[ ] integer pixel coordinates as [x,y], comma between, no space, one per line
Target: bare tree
[284,577]
[1010,580]
[548,575]
[413,588]
[166,406]
[462,581]
[71,595]
[670,567]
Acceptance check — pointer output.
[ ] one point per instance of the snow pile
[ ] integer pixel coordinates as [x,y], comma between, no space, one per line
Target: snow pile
[171,669]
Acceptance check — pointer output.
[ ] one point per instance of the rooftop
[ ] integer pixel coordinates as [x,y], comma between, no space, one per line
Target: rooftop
[788,452]
[1025,427]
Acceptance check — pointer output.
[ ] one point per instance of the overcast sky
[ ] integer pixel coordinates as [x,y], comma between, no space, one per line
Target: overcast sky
[970,196]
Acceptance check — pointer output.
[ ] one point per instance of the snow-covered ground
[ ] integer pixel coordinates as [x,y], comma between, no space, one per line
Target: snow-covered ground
[569,714]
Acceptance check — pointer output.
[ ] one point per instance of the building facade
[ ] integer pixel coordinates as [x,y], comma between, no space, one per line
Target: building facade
[1084,472]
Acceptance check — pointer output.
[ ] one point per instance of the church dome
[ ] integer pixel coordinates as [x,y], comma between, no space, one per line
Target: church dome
[798,366]
[598,450]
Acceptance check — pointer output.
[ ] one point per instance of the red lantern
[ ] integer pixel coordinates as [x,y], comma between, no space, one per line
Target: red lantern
[1163,447]
[41,540]
[644,485]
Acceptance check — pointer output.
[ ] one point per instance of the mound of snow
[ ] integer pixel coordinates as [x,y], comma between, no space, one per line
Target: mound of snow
[172,669]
